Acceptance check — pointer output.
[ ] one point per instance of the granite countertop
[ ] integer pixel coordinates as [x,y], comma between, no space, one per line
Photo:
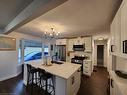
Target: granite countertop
[121,82]
[61,70]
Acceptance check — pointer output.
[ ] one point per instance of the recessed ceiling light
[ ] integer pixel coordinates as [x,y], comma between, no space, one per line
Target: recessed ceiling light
[101,38]
[13,39]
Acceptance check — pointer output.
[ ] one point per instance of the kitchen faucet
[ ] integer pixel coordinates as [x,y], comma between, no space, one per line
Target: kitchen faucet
[54,56]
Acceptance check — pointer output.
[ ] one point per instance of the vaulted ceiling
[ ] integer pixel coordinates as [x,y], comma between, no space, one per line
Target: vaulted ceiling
[15,13]
[75,18]
[9,9]
[71,18]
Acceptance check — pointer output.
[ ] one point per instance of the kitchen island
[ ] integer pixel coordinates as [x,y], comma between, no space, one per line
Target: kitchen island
[67,76]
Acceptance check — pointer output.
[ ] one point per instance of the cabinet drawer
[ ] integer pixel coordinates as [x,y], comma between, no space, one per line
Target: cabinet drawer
[86,68]
[87,72]
[87,63]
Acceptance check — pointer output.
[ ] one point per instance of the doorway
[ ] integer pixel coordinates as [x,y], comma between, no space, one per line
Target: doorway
[100,55]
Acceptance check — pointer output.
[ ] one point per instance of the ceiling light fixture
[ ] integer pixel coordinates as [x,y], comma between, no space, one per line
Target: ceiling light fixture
[51,34]
[100,39]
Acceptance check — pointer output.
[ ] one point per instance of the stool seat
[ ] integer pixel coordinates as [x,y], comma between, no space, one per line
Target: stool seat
[33,70]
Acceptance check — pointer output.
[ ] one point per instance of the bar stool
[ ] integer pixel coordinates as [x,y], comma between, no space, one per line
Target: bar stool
[31,77]
[47,82]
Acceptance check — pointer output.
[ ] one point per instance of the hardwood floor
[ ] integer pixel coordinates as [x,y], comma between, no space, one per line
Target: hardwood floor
[94,85]
[13,86]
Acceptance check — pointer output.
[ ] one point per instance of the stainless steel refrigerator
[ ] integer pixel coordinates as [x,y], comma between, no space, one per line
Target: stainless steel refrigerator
[61,52]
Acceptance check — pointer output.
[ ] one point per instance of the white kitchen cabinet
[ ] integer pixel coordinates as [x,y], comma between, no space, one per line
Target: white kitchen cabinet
[74,82]
[88,44]
[61,41]
[123,24]
[119,30]
[124,21]
[118,85]
[117,90]
[112,33]
[87,67]
[116,32]
[114,89]
[78,41]
[70,44]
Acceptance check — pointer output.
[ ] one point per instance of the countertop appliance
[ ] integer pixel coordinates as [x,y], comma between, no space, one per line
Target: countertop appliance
[78,60]
[79,47]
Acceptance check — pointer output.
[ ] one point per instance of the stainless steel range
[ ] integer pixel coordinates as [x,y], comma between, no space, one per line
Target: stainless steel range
[78,60]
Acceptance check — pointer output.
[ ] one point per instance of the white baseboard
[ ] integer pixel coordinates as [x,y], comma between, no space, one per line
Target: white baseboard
[10,76]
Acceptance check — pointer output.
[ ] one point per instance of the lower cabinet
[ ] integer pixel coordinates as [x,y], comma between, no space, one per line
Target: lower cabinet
[68,86]
[114,90]
[87,67]
[74,82]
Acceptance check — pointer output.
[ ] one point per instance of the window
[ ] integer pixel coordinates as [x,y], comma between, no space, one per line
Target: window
[46,50]
[32,53]
[19,55]
[20,52]
[30,50]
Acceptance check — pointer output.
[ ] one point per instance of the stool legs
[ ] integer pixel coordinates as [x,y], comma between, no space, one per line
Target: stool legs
[50,87]
[46,86]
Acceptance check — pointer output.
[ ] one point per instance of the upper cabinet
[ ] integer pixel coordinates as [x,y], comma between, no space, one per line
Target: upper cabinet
[88,44]
[119,32]
[123,24]
[116,32]
[70,44]
[61,41]
[78,41]
[87,41]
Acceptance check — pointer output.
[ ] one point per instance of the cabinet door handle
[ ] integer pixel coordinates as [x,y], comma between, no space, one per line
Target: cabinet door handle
[112,48]
[72,80]
[112,83]
[79,70]
[123,46]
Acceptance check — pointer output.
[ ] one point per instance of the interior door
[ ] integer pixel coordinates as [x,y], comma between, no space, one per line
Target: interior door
[100,55]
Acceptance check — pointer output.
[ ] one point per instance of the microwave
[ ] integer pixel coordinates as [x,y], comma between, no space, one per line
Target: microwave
[79,47]
[125,46]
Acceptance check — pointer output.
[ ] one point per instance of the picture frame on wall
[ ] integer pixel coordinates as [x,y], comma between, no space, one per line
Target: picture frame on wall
[7,43]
